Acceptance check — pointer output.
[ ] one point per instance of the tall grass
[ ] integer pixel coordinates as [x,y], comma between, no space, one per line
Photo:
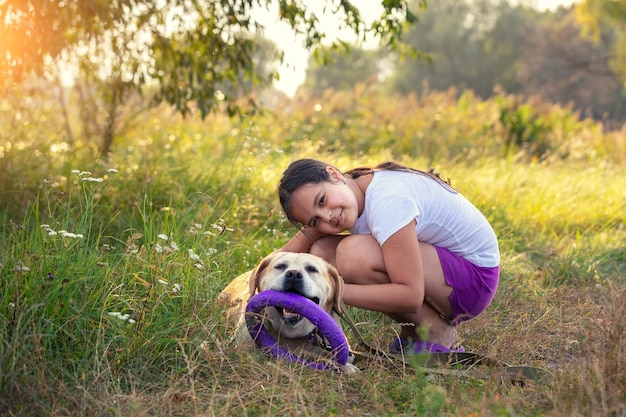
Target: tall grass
[110,269]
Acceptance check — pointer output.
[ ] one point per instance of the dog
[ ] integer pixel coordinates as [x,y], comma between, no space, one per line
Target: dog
[300,273]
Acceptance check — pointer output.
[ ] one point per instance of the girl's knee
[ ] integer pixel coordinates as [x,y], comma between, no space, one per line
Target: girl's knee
[358,256]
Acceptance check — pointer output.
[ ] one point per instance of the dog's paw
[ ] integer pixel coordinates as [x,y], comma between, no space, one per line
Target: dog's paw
[349,368]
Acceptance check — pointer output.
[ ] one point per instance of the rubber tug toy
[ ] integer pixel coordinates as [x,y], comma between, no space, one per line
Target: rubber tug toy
[326,325]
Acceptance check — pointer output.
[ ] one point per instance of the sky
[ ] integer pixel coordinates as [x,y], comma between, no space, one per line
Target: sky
[293,71]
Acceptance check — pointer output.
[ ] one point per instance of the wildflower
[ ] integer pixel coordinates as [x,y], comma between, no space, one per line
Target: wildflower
[20,267]
[162,236]
[174,246]
[158,248]
[123,317]
[76,172]
[92,179]
[112,171]
[162,282]
[199,266]
[195,228]
[71,235]
[176,289]
[194,256]
[211,251]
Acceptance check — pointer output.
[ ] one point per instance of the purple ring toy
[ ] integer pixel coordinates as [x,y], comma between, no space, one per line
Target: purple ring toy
[305,307]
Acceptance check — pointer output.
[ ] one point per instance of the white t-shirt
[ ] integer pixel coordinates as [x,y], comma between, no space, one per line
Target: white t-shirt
[443,218]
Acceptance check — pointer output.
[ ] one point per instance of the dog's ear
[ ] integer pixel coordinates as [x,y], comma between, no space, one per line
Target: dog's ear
[257,273]
[337,281]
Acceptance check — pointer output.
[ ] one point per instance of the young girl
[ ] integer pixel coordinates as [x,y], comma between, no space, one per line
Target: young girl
[417,250]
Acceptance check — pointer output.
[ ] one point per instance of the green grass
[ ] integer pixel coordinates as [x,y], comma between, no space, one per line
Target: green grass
[117,315]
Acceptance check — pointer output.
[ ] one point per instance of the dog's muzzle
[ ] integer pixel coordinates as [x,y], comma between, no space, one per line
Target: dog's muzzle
[294,283]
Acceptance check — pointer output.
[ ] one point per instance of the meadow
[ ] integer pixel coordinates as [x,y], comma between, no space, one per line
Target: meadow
[110,267]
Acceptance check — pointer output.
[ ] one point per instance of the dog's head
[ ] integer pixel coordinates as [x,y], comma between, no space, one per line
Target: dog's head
[300,273]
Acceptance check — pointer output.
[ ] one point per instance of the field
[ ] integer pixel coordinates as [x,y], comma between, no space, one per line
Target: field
[110,268]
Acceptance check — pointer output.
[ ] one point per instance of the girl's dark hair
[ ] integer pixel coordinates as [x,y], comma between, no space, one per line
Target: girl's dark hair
[312,171]
[394,166]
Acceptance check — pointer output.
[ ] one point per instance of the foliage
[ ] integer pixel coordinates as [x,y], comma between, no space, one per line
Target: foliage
[601,18]
[189,49]
[563,66]
[110,277]
[488,47]
[472,45]
[342,70]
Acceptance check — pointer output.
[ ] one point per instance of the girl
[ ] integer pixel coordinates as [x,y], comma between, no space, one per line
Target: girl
[417,250]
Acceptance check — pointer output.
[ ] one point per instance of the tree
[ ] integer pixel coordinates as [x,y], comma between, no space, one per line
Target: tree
[342,70]
[189,48]
[471,45]
[560,66]
[602,18]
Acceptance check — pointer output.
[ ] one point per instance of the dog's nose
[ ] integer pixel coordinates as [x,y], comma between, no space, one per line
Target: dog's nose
[293,275]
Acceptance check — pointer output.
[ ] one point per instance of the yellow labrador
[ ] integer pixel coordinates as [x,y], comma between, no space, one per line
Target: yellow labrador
[301,273]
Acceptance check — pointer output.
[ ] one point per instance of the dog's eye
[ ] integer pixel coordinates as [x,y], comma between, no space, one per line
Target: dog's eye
[281,267]
[311,268]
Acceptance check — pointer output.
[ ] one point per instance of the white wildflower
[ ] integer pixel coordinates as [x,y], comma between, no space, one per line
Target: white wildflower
[20,267]
[12,305]
[211,251]
[176,289]
[123,317]
[162,236]
[76,172]
[174,246]
[132,321]
[71,235]
[162,282]
[92,179]
[112,171]
[194,256]
[199,266]
[84,174]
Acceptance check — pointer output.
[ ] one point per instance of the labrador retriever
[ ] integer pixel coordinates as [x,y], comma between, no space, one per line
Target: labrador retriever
[301,273]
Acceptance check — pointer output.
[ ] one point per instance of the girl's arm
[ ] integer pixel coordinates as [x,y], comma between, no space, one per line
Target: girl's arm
[302,240]
[404,267]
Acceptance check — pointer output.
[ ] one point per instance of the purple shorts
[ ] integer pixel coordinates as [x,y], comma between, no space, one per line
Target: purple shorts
[473,287]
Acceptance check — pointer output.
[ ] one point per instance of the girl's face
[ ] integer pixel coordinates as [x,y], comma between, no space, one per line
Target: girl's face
[330,207]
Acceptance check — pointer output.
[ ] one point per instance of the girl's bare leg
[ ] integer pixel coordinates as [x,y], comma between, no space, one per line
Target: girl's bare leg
[359,260]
